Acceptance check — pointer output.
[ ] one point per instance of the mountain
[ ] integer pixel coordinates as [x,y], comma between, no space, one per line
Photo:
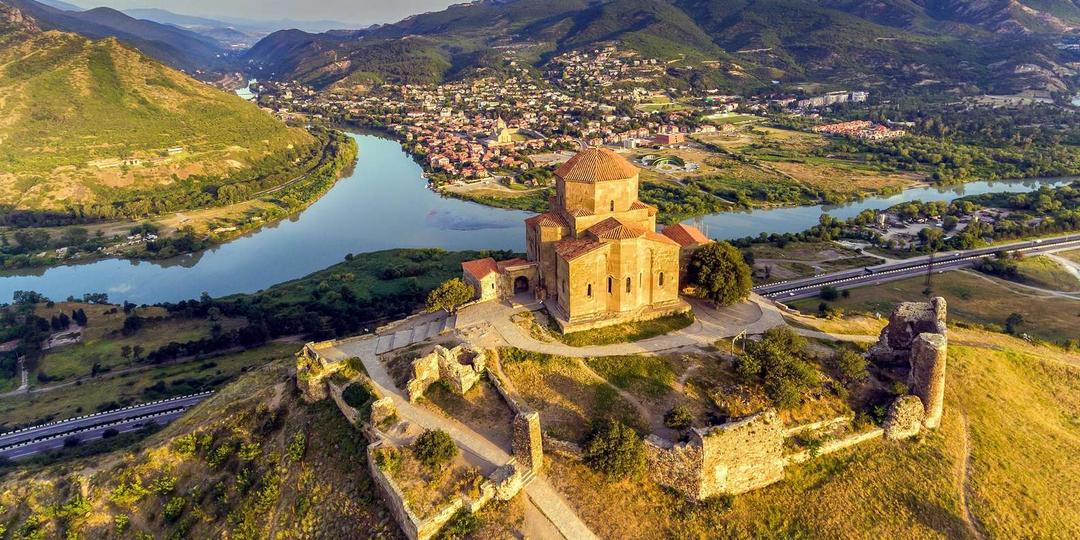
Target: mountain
[175,46]
[972,45]
[58,4]
[91,122]
[246,25]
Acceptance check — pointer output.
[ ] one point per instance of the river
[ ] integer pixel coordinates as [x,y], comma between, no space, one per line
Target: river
[384,203]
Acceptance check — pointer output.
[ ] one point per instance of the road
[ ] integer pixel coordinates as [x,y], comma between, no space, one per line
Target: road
[953,260]
[29,441]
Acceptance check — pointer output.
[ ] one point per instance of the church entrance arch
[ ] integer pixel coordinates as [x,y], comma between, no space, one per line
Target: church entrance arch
[521,284]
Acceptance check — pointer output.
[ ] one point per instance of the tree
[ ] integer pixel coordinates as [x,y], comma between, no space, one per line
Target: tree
[615,450]
[849,366]
[1013,321]
[829,293]
[137,352]
[679,418]
[450,295]
[720,273]
[132,324]
[79,316]
[435,448]
[777,363]
[125,352]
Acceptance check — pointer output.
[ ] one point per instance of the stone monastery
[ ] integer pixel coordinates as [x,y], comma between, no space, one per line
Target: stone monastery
[595,259]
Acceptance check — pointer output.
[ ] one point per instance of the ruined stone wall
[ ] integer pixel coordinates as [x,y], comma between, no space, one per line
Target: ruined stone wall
[676,466]
[461,368]
[742,455]
[527,441]
[927,375]
[731,458]
[905,418]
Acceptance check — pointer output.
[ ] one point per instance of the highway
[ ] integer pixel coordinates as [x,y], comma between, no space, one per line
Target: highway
[32,440]
[952,260]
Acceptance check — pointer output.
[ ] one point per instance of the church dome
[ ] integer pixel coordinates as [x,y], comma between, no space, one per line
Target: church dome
[596,165]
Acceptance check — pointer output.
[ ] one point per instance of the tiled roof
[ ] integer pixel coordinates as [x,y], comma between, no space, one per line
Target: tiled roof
[596,165]
[657,237]
[575,247]
[638,205]
[613,229]
[480,268]
[548,219]
[579,212]
[512,263]
[685,235]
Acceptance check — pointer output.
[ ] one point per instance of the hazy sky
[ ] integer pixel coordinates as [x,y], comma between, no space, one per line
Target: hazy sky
[353,11]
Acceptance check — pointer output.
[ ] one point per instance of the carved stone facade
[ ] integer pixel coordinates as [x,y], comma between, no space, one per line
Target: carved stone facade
[460,367]
[731,458]
[908,320]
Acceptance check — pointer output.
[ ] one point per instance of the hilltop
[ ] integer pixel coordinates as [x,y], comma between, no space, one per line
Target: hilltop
[90,123]
[988,46]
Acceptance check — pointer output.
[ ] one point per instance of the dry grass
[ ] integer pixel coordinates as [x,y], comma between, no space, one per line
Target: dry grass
[566,396]
[973,298]
[1022,403]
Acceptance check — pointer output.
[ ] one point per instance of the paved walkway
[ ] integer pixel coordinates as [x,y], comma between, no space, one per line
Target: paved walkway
[710,325]
[540,491]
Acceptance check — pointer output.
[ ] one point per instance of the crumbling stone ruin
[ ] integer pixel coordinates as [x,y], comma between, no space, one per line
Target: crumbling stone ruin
[917,334]
[460,367]
[312,369]
[905,418]
[730,458]
[527,440]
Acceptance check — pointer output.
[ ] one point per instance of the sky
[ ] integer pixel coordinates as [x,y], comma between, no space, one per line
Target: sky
[360,12]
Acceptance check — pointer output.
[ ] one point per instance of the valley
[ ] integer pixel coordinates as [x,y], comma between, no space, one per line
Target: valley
[554,269]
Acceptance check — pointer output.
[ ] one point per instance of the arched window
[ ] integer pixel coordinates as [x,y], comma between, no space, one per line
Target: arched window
[610,284]
[661,279]
[627,283]
[612,206]
[588,290]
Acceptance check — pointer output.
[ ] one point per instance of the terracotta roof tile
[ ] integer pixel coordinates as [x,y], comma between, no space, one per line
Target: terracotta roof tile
[685,235]
[480,268]
[579,212]
[547,219]
[575,247]
[512,263]
[638,205]
[596,165]
[613,229]
[657,237]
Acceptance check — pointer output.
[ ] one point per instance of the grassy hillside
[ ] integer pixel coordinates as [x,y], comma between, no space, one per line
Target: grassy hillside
[251,462]
[1010,405]
[73,110]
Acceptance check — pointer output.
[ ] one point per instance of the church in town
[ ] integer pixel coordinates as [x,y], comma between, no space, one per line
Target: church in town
[595,258]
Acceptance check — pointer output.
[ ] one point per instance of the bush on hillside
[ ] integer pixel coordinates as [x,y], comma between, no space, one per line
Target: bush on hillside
[615,450]
[778,363]
[450,295]
[434,448]
[679,417]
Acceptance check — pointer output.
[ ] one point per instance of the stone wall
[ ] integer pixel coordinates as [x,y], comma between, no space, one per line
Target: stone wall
[460,367]
[527,441]
[927,375]
[730,458]
[917,334]
[905,418]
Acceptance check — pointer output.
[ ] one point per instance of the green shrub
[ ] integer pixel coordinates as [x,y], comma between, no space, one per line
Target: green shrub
[615,450]
[461,525]
[435,448]
[848,365]
[297,447]
[174,508]
[679,417]
[777,362]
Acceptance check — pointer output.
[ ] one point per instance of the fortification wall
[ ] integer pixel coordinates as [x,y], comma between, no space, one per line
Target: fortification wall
[927,375]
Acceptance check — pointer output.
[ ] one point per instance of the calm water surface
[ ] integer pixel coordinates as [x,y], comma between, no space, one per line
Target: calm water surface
[383,204]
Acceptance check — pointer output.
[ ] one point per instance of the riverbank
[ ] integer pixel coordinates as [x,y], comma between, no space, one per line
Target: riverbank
[187,231]
[384,203]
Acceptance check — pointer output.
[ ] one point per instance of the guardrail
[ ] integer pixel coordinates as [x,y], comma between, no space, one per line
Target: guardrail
[103,413]
[67,434]
[947,260]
